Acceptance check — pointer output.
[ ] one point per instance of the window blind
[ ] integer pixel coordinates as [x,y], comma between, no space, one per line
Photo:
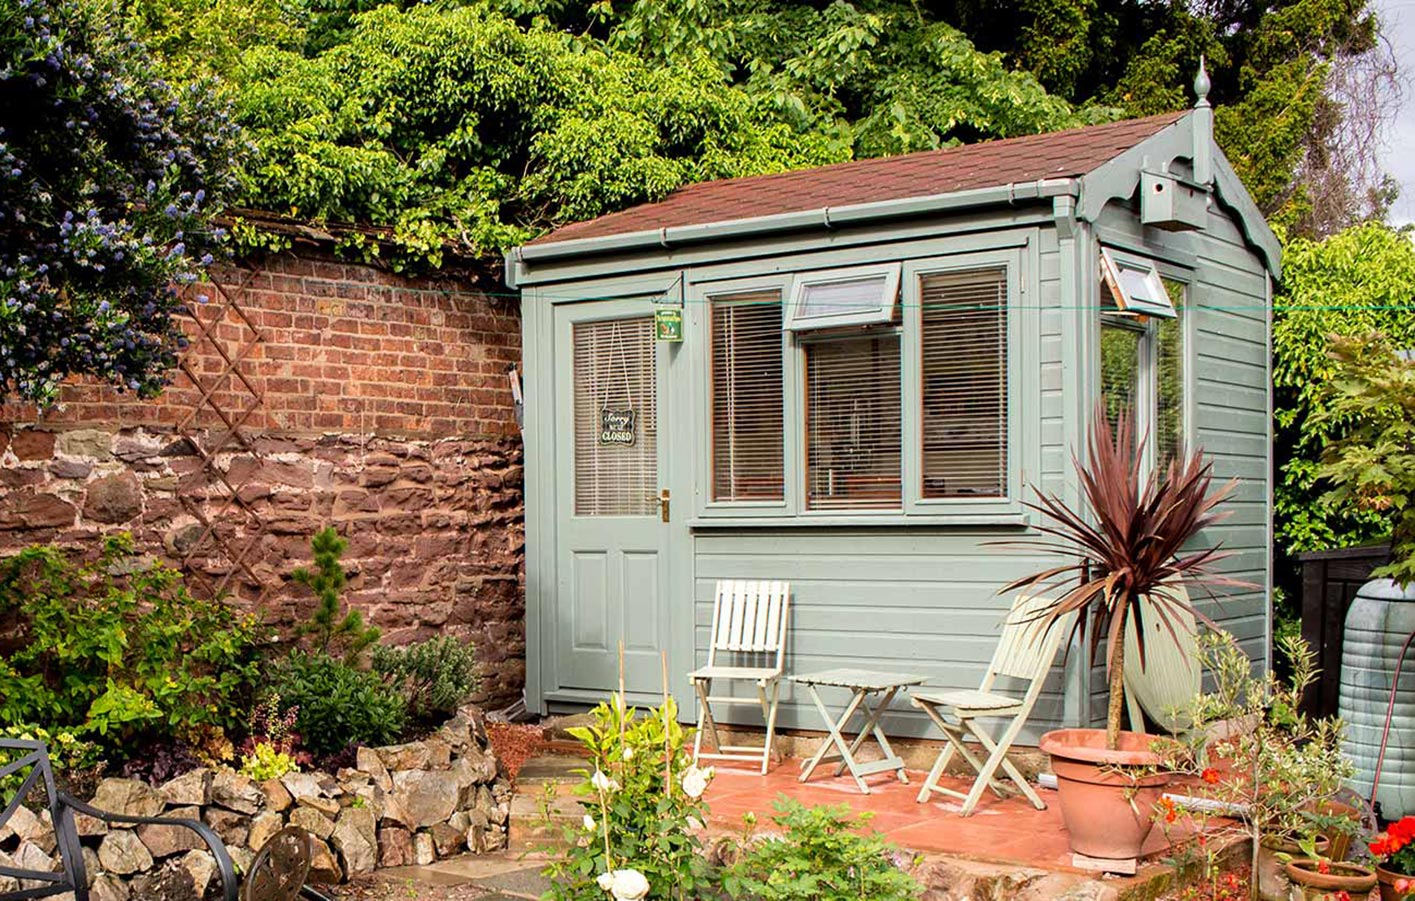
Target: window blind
[964,369]
[747,446]
[853,423]
[616,418]
[1169,378]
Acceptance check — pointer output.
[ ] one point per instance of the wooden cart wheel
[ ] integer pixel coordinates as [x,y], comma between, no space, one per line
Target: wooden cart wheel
[280,869]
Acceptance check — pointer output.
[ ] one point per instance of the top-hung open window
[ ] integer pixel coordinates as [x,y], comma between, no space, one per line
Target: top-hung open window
[861,295]
[1136,287]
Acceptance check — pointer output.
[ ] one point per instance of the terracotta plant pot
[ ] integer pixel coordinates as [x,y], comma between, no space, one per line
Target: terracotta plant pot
[1313,885]
[1108,814]
[1273,882]
[1387,881]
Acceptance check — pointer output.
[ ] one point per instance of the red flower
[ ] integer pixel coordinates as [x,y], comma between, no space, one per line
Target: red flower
[1210,776]
[1381,847]
[1323,866]
[1402,831]
[1170,814]
[1404,886]
[1342,895]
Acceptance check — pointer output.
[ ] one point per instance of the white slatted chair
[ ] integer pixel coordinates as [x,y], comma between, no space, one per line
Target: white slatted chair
[1022,653]
[748,645]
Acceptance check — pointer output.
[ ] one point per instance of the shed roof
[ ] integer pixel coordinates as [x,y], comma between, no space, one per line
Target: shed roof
[988,164]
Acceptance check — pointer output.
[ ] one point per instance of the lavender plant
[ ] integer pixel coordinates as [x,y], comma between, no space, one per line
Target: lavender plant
[109,180]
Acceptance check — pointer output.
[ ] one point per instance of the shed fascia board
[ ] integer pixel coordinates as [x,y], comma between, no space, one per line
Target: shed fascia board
[826,218]
[1119,178]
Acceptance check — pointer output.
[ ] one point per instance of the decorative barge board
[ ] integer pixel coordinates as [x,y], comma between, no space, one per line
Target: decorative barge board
[851,377]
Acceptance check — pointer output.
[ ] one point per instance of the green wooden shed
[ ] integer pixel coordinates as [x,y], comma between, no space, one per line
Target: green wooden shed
[851,377]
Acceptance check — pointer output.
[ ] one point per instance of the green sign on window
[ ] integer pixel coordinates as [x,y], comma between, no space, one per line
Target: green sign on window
[668,323]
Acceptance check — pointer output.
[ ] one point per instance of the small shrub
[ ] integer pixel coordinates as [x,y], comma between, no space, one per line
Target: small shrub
[266,762]
[820,857]
[513,744]
[339,704]
[272,749]
[67,752]
[117,651]
[435,676]
[327,629]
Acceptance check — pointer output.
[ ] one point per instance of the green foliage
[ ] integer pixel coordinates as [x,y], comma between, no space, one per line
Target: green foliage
[1371,467]
[1353,283]
[459,127]
[339,704]
[265,762]
[67,752]
[327,627]
[117,651]
[435,676]
[644,806]
[1256,750]
[820,856]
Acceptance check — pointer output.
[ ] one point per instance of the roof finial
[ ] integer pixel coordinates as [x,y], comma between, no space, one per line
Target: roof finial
[1201,84]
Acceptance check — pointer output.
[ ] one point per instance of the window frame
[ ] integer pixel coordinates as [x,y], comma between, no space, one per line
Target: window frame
[1016,251]
[1113,263]
[881,314]
[1148,325]
[1018,342]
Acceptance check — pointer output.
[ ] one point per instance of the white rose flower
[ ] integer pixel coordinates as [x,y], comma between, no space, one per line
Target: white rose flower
[695,824]
[628,885]
[695,781]
[628,753]
[606,881]
[602,783]
[589,823]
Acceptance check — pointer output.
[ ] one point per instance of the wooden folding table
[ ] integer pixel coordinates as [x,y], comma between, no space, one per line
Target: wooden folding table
[861,684]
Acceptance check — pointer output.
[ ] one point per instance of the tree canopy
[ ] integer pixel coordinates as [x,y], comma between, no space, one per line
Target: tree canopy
[108,181]
[478,123]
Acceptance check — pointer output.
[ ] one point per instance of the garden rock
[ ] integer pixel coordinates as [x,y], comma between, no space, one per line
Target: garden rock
[395,847]
[448,839]
[427,796]
[164,841]
[88,826]
[366,760]
[413,756]
[356,840]
[171,882]
[263,826]
[277,797]
[30,828]
[424,851]
[233,791]
[107,887]
[327,806]
[190,788]
[301,786]
[123,853]
[324,867]
[202,867]
[7,883]
[229,824]
[128,797]
[312,821]
[92,867]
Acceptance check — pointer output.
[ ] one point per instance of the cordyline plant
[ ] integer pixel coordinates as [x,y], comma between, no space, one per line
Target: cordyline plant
[1126,543]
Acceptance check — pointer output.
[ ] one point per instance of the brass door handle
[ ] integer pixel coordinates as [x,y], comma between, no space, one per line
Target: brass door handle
[662,500]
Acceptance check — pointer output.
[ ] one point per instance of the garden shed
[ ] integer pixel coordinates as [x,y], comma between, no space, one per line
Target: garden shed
[851,378]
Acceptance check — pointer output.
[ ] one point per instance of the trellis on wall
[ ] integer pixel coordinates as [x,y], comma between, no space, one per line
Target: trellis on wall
[227,398]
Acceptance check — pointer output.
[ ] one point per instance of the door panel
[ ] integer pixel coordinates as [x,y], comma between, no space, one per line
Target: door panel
[611,554]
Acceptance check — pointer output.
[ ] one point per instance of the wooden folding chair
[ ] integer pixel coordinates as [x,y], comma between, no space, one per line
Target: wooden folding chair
[749,633]
[1023,653]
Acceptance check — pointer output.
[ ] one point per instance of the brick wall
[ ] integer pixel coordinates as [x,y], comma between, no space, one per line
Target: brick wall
[315,392]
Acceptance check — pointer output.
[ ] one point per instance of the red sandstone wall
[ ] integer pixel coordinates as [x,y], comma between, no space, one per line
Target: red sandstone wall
[373,403]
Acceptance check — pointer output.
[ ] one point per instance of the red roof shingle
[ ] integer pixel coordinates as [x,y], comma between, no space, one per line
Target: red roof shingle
[985,165]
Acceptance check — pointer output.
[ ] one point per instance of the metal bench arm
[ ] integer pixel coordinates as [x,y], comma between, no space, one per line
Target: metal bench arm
[213,841]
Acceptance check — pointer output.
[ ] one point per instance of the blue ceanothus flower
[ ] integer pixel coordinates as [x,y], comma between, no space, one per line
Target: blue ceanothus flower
[109,180]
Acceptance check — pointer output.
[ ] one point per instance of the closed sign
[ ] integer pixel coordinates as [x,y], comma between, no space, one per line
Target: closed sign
[617,426]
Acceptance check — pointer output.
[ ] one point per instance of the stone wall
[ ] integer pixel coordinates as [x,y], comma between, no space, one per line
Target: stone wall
[398,806]
[314,393]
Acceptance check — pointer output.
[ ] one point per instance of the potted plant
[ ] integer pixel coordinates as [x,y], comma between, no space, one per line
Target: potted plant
[1395,860]
[1275,784]
[1128,542]
[1319,879]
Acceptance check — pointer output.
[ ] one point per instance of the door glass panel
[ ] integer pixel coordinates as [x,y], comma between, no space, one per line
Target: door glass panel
[616,418]
[1169,388]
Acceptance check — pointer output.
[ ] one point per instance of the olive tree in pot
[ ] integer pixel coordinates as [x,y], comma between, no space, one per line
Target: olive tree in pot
[1127,544]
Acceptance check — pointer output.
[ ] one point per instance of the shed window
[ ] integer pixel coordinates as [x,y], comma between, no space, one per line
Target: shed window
[864,295]
[853,430]
[1142,372]
[1136,287]
[964,367]
[747,446]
